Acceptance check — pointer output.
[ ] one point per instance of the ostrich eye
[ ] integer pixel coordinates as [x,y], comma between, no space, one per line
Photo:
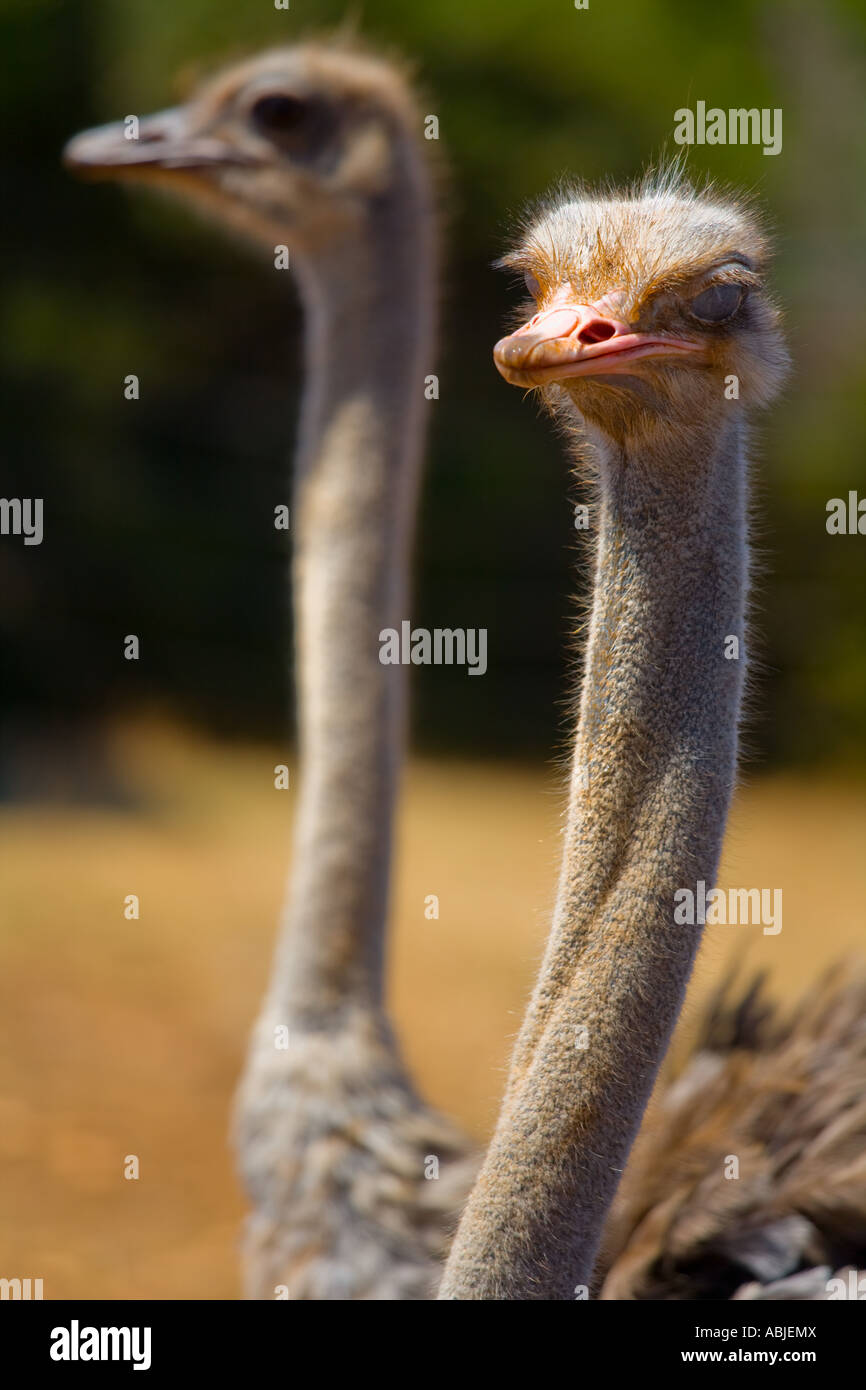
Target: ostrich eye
[296,125]
[532,284]
[274,115]
[718,303]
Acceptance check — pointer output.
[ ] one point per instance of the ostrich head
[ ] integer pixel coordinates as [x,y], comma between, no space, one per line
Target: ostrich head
[294,144]
[644,303]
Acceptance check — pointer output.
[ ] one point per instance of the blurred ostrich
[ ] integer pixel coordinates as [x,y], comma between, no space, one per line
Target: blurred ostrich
[318,148]
[652,336]
[786,1098]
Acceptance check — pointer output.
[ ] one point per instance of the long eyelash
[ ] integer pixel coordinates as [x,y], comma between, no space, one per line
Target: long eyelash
[690,286]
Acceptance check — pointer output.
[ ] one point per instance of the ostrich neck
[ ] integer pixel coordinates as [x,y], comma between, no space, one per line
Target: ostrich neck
[652,774]
[369,328]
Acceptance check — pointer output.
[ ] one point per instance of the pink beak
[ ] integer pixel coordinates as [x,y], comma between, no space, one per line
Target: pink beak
[569,339]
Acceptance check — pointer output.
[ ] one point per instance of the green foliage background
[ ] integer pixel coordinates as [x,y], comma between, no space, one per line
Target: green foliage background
[158,514]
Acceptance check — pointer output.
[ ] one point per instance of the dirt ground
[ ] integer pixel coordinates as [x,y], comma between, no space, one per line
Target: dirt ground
[123,1037]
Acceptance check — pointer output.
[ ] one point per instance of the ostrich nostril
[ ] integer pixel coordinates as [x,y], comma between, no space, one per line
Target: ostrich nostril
[596,331]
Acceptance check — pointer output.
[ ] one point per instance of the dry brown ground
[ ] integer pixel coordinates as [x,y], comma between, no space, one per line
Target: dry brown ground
[124,1037]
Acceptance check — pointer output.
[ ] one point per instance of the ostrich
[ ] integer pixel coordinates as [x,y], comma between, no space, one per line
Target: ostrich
[651,339]
[354,1182]
[786,1097]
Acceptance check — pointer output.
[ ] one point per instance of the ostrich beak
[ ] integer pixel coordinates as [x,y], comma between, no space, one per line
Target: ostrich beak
[161,142]
[569,339]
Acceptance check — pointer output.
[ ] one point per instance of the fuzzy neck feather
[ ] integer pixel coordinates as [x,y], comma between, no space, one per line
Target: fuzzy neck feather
[653,769]
[369,333]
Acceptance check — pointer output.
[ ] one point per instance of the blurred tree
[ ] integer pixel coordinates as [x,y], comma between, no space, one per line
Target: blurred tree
[159,512]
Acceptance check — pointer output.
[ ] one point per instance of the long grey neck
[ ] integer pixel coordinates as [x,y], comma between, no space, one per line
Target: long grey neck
[369,333]
[652,775]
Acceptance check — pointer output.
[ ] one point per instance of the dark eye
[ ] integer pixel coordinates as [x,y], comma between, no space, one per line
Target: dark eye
[300,126]
[718,303]
[274,115]
[531,284]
